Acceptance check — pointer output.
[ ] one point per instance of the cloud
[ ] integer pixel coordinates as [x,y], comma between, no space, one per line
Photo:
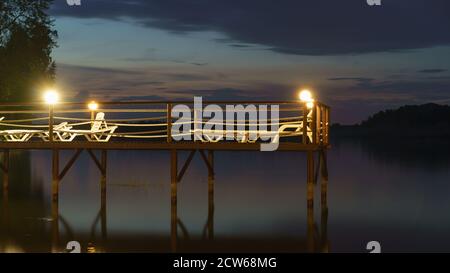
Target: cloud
[153,59]
[97,70]
[181,77]
[240,45]
[141,98]
[358,79]
[431,71]
[305,27]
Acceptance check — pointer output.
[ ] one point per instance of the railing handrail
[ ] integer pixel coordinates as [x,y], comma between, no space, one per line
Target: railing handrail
[173,102]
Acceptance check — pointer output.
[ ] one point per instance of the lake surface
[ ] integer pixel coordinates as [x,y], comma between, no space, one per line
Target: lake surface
[398,195]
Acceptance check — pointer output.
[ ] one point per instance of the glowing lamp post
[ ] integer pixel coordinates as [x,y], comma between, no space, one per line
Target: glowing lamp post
[306,97]
[93,106]
[51,97]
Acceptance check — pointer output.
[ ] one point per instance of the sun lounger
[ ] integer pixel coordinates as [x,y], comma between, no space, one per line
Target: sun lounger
[99,132]
[21,135]
[246,136]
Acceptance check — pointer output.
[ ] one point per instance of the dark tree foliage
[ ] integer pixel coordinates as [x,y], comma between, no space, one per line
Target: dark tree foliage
[411,116]
[412,121]
[27,38]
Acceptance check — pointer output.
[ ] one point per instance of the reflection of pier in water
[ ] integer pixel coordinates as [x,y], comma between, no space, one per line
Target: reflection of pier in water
[310,136]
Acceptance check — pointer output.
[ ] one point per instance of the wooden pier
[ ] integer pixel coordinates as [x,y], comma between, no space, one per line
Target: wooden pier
[131,117]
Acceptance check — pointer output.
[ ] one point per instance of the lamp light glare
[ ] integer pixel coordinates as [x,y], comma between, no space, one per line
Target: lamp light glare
[93,106]
[305,95]
[51,97]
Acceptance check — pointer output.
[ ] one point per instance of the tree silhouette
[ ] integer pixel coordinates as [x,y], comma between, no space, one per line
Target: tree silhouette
[27,38]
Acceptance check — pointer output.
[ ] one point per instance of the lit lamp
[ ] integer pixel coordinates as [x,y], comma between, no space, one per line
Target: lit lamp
[306,97]
[93,106]
[51,97]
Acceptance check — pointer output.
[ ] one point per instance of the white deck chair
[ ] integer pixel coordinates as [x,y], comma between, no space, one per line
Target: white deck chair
[21,135]
[211,135]
[99,132]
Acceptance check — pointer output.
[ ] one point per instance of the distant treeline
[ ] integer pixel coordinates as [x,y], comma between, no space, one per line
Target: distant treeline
[427,120]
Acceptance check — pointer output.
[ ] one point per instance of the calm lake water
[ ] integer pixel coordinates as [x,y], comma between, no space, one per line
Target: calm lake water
[398,195]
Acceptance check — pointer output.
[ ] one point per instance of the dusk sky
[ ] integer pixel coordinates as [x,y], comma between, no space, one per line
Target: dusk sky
[357,58]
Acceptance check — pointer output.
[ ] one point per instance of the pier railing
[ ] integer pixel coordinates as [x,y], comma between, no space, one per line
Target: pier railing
[154,121]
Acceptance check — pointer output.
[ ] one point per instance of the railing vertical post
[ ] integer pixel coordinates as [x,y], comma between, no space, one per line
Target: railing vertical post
[305,124]
[50,123]
[314,124]
[317,123]
[169,122]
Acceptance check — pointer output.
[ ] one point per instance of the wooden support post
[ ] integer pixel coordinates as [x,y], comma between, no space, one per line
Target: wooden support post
[310,201]
[173,199]
[186,166]
[310,179]
[55,202]
[324,203]
[5,169]
[50,123]
[310,240]
[324,180]
[69,164]
[4,228]
[96,161]
[205,159]
[104,161]
[55,226]
[55,174]
[325,247]
[211,195]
